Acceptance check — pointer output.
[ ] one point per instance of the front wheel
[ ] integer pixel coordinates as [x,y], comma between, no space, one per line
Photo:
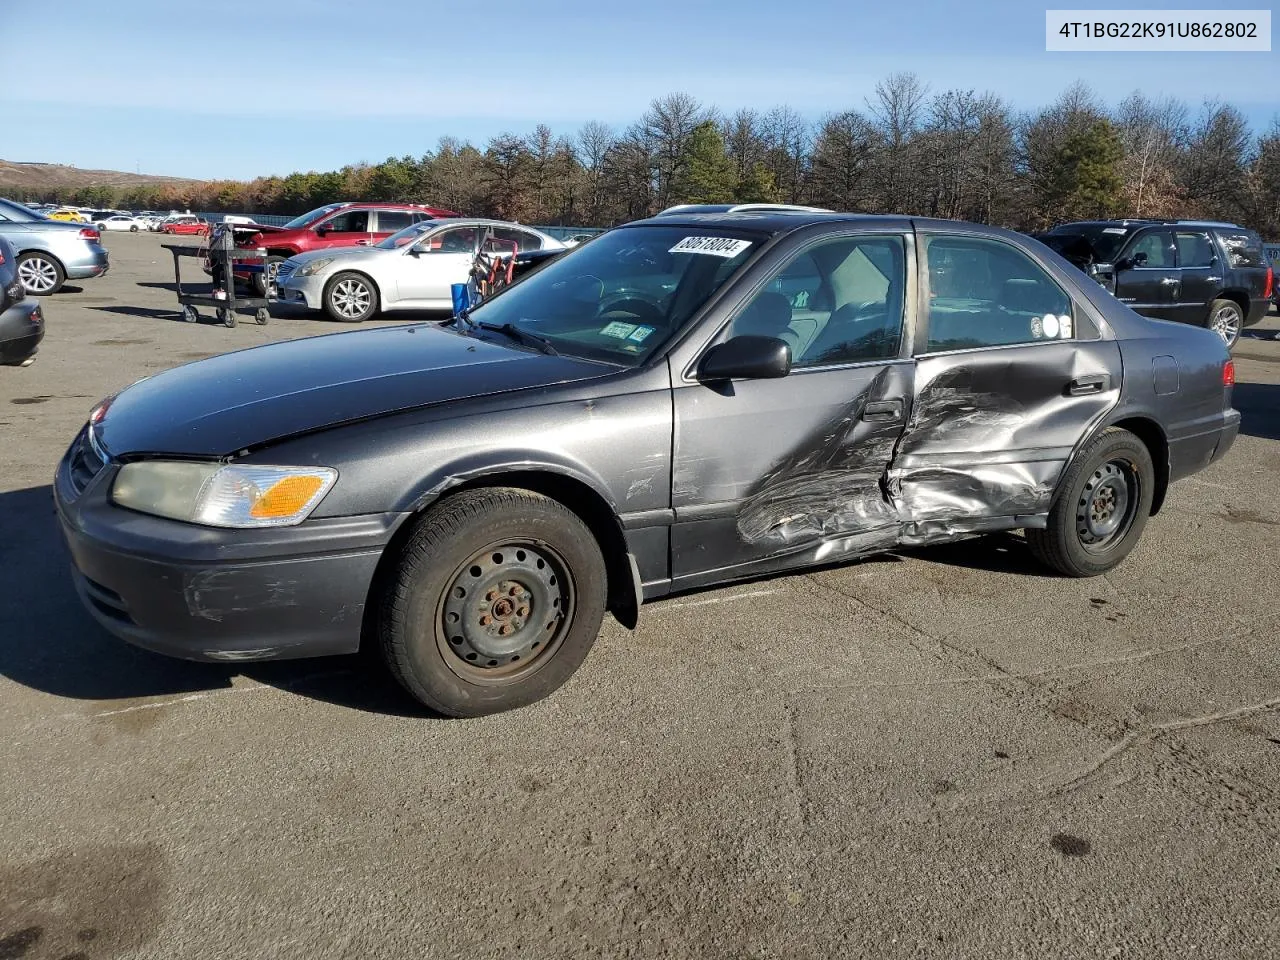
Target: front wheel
[134,228]
[40,274]
[1225,319]
[262,281]
[350,298]
[1101,509]
[496,600]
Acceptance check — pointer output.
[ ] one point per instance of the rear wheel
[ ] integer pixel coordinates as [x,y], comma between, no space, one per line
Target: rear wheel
[1102,508]
[40,273]
[350,298]
[1225,319]
[496,600]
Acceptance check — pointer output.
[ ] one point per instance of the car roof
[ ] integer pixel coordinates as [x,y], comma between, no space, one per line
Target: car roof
[1136,223]
[773,221]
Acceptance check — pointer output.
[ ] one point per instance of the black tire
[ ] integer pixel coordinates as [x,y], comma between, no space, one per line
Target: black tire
[1226,319]
[551,564]
[343,303]
[262,316]
[1071,543]
[259,280]
[227,317]
[134,228]
[41,273]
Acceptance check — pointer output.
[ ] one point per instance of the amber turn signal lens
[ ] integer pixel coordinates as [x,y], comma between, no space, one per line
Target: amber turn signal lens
[286,497]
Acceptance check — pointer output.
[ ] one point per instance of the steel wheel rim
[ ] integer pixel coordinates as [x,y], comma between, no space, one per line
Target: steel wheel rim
[37,274]
[1106,506]
[350,298]
[505,612]
[1226,323]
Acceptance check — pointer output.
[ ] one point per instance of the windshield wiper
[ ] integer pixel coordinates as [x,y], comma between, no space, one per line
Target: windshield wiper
[542,344]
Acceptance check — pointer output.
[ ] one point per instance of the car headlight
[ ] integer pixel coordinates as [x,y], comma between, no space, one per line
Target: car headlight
[235,495]
[312,267]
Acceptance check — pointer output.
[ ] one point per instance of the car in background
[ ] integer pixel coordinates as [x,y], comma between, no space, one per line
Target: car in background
[21,319]
[469,499]
[413,269]
[333,225]
[1204,273]
[50,252]
[1272,250]
[67,215]
[119,222]
[187,225]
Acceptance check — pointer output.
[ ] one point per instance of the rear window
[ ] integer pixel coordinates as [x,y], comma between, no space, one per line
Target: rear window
[1244,249]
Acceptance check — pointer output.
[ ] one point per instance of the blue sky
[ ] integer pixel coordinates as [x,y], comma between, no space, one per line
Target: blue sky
[133,84]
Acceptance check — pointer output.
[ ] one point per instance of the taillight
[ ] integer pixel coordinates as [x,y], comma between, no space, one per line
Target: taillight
[1229,373]
[90,234]
[1271,279]
[1,258]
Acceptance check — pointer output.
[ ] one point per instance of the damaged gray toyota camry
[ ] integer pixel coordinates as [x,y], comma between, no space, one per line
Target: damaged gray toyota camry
[680,402]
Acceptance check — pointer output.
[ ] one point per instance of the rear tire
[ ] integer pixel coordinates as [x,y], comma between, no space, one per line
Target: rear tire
[495,601]
[1226,319]
[1101,509]
[350,298]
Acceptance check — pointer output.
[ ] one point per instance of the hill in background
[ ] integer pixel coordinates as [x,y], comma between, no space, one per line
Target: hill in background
[18,177]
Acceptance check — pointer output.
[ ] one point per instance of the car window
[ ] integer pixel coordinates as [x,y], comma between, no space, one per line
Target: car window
[349,221]
[839,301]
[523,240]
[1194,248]
[389,221]
[1244,249]
[986,293]
[454,240]
[1155,244]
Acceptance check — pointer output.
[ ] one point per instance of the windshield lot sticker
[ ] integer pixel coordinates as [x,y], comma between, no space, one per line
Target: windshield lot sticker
[639,333]
[1115,229]
[1064,326]
[1050,323]
[618,329]
[725,247]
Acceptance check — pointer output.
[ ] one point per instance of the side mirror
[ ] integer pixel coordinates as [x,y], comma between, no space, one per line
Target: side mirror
[1128,263]
[746,357]
[321,230]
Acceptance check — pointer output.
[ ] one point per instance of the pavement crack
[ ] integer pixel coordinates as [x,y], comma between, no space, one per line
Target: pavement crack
[791,751]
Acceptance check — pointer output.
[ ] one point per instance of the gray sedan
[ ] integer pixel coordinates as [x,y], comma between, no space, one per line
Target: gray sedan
[50,252]
[681,402]
[409,270]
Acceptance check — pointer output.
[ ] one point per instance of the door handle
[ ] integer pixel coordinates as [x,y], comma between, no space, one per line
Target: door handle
[1168,281]
[363,243]
[882,411]
[1084,386]
[1213,279]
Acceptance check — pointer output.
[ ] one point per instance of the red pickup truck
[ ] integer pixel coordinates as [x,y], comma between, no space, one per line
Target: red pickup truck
[333,225]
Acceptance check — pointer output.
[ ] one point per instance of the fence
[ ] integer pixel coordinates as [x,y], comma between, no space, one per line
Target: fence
[276,220]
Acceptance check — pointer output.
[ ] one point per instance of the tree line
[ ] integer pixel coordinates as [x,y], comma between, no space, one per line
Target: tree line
[908,149]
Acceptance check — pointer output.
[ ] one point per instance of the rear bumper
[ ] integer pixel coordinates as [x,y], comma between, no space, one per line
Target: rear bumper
[92,263]
[21,330]
[1257,312]
[205,594]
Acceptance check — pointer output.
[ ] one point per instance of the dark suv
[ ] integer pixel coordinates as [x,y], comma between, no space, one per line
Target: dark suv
[21,321]
[1208,274]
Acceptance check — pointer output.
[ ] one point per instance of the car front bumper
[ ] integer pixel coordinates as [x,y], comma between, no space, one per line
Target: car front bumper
[21,330]
[201,593]
[92,262]
[301,291]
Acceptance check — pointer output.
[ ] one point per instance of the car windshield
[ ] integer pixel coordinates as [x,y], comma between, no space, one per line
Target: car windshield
[310,216]
[406,236]
[16,211]
[618,298]
[1087,242]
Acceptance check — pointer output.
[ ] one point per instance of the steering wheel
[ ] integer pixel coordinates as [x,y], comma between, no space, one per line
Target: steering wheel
[645,312]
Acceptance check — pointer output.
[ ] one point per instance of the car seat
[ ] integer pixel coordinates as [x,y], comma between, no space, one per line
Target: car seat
[768,315]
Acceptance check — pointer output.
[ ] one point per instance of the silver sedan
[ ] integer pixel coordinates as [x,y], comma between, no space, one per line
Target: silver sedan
[410,270]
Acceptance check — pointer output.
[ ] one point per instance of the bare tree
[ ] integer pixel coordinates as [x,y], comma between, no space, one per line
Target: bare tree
[897,108]
[595,141]
[667,127]
[786,139]
[843,153]
[1214,161]
[1150,131]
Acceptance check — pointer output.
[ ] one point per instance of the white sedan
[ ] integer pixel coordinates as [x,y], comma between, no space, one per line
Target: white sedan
[410,270]
[120,222]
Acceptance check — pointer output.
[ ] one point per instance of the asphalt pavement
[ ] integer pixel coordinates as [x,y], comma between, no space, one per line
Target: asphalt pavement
[945,752]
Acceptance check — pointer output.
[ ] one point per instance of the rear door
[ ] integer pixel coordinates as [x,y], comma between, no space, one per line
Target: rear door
[772,473]
[1200,270]
[1010,376]
[387,222]
[1147,274]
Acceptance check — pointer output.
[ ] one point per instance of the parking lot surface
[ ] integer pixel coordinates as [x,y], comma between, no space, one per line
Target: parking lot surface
[946,752]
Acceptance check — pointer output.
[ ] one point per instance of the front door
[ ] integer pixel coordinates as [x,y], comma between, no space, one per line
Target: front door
[1010,377]
[1147,275]
[433,264]
[1200,273]
[772,473]
[347,228]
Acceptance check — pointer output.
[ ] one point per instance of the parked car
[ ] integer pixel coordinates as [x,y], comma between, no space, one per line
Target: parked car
[21,320]
[333,225]
[409,270]
[684,401]
[49,252]
[1272,250]
[119,222]
[187,225]
[1204,273]
[68,216]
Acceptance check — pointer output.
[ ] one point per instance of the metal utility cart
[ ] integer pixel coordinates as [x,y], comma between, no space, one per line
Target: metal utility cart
[221,252]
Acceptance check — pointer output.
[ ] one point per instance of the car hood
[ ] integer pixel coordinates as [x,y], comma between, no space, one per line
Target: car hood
[330,253]
[245,399]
